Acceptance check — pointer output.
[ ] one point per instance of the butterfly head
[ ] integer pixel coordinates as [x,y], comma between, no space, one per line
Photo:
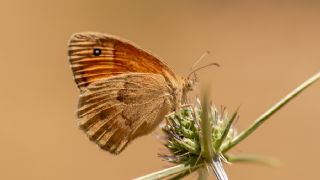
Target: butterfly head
[190,82]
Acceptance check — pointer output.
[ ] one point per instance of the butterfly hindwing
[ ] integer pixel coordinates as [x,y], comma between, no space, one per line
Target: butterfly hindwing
[116,110]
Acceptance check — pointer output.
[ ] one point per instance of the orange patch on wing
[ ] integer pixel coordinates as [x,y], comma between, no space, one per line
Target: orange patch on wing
[117,57]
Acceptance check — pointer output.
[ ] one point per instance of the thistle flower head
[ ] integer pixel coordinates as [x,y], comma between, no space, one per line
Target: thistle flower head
[184,134]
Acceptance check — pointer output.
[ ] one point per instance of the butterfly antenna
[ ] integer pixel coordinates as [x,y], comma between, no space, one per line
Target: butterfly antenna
[202,67]
[200,59]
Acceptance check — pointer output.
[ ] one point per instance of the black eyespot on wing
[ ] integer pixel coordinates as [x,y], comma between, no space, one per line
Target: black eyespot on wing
[97,51]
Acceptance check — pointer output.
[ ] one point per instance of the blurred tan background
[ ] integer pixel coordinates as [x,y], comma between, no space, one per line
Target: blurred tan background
[265,48]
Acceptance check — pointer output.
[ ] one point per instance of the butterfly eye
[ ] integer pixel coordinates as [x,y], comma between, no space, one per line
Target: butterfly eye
[97,51]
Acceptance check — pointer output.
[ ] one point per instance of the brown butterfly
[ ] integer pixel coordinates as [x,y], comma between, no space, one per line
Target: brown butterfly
[125,92]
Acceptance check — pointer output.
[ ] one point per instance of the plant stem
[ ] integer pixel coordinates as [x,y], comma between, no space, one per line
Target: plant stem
[244,134]
[250,158]
[206,129]
[217,167]
[203,174]
[206,133]
[167,172]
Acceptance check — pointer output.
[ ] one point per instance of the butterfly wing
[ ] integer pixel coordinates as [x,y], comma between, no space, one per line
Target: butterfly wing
[116,110]
[95,56]
[124,91]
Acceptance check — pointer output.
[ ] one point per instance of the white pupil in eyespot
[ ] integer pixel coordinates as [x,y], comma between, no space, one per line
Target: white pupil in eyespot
[96,52]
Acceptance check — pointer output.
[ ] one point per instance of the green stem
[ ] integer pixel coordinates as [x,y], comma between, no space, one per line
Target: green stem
[244,134]
[186,173]
[249,158]
[206,129]
[168,172]
[203,174]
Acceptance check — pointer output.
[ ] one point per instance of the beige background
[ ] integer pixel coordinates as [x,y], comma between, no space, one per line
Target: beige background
[265,48]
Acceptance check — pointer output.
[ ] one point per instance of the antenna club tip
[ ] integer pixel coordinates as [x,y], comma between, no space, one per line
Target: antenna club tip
[216,64]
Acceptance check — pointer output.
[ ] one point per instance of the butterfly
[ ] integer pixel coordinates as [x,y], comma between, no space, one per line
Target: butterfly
[125,92]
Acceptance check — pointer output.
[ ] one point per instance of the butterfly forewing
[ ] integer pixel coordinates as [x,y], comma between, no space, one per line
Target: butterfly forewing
[116,57]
